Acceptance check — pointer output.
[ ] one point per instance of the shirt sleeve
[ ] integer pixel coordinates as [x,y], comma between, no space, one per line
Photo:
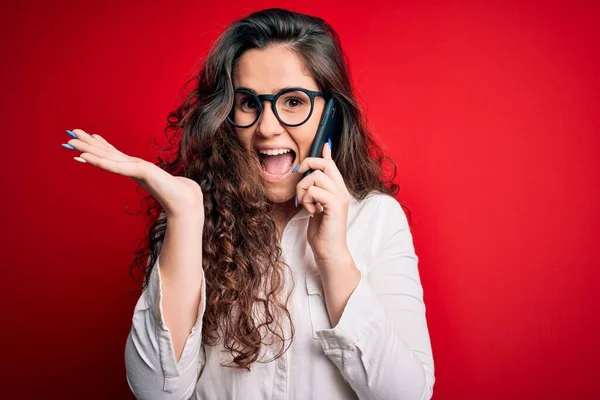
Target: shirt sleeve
[381,344]
[152,372]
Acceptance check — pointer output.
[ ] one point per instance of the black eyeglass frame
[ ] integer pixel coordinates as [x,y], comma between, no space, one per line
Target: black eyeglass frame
[273,99]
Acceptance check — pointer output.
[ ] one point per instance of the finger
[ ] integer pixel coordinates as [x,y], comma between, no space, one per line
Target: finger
[327,151]
[104,141]
[130,168]
[86,137]
[326,165]
[319,179]
[95,150]
[319,195]
[320,208]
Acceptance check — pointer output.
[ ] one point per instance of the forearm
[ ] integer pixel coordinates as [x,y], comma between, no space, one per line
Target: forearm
[182,277]
[380,343]
[373,354]
[339,278]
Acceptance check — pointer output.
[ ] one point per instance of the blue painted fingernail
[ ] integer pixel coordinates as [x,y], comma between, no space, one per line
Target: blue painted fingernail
[71,134]
[68,146]
[296,201]
[329,141]
[296,168]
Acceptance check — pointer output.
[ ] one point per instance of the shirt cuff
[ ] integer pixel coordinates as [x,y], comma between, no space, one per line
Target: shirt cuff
[156,304]
[362,316]
[171,369]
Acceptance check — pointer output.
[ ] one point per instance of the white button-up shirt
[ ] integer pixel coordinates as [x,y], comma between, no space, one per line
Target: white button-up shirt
[380,349]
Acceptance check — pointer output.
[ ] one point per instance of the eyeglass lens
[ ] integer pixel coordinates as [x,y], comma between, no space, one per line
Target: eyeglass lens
[292,107]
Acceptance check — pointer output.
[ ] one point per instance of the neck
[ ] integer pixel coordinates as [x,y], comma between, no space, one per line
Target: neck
[284,212]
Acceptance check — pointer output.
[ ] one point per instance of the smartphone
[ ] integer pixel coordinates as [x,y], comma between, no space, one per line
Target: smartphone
[328,129]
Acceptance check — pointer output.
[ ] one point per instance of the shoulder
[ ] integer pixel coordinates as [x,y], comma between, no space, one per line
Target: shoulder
[375,218]
[379,207]
[376,223]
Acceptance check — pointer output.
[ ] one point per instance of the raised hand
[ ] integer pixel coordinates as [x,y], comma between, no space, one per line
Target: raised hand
[178,196]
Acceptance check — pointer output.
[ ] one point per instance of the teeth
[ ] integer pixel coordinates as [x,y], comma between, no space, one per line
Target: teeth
[274,152]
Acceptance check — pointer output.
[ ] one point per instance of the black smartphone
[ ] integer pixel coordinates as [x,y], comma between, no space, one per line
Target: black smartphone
[328,129]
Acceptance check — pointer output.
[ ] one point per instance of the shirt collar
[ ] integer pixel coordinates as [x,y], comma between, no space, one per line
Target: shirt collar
[303,213]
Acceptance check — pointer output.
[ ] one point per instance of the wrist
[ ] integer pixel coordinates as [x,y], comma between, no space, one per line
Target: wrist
[342,263]
[191,219]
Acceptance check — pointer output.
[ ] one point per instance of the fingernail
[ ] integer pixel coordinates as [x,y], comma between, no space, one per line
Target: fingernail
[68,146]
[71,134]
[296,168]
[329,142]
[81,160]
[296,201]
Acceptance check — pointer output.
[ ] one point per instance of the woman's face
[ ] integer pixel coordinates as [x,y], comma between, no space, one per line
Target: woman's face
[266,72]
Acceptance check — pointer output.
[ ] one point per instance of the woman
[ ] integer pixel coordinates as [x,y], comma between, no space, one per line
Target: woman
[262,283]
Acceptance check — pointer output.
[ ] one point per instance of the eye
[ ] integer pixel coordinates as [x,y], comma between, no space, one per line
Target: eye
[293,102]
[248,102]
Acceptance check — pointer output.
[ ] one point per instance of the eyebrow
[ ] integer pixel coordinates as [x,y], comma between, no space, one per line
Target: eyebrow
[275,91]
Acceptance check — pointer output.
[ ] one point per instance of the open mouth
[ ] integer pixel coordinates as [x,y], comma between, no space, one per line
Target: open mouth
[277,165]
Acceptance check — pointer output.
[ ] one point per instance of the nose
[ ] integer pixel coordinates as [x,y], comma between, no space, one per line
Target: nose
[268,124]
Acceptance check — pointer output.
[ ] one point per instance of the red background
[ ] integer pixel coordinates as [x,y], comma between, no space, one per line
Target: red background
[489,109]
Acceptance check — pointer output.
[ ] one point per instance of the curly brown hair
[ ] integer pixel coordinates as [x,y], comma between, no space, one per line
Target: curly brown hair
[242,256]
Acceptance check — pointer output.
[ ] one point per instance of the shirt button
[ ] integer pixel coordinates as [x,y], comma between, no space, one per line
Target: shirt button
[281,363]
[295,222]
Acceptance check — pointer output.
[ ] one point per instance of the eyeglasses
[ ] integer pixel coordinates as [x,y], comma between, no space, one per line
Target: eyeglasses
[292,106]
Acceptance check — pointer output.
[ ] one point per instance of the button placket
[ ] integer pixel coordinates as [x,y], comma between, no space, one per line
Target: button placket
[286,232]
[281,362]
